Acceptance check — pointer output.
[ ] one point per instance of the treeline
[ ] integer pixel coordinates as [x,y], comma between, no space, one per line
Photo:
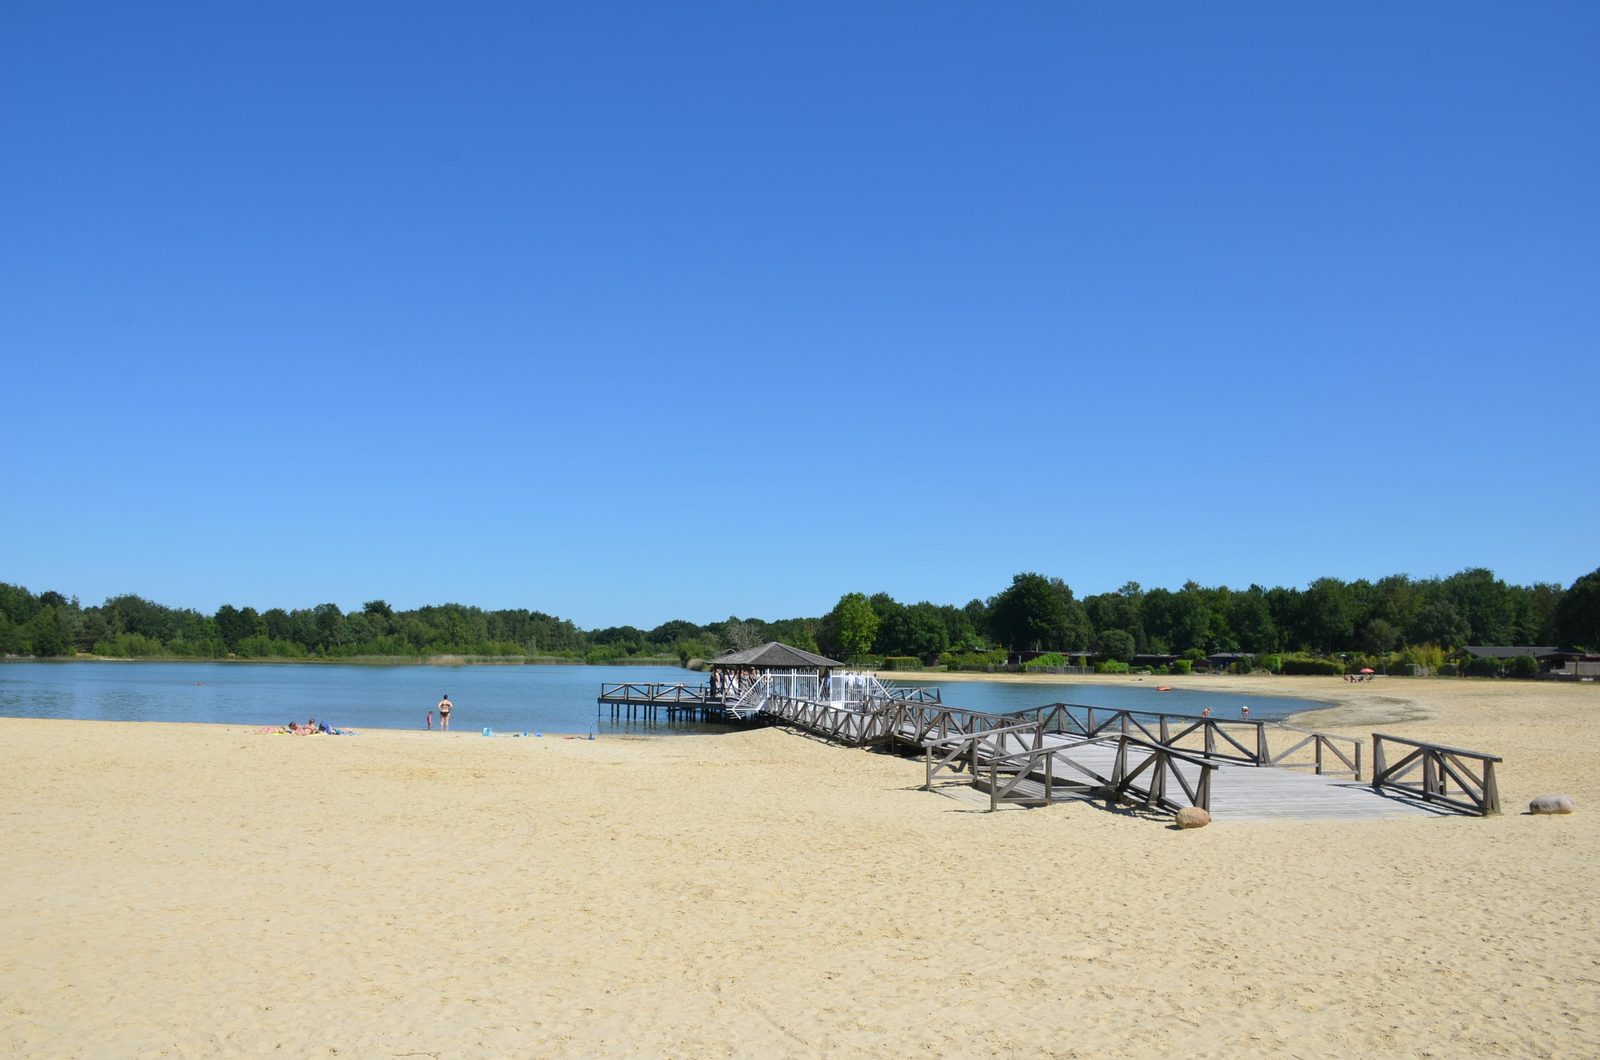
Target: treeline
[1038,613]
[52,625]
[1033,613]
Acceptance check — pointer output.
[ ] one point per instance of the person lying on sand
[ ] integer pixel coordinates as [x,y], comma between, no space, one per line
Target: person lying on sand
[311,728]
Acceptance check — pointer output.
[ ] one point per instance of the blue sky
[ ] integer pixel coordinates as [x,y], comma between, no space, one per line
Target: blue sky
[628,312]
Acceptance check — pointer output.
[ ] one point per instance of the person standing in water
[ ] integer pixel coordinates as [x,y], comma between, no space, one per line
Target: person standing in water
[444,713]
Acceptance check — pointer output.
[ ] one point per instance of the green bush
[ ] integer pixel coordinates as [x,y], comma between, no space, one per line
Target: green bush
[977,660]
[130,646]
[1182,666]
[1482,666]
[1313,665]
[901,662]
[1048,661]
[1523,666]
[1429,655]
[1273,664]
[1110,666]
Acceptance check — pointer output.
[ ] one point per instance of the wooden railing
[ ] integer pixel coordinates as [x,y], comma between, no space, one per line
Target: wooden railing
[918,723]
[1034,775]
[1472,771]
[1219,738]
[630,692]
[833,722]
[1325,748]
[975,748]
[909,694]
[1162,763]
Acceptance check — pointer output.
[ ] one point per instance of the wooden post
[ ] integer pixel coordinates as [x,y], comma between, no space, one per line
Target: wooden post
[1117,771]
[1491,790]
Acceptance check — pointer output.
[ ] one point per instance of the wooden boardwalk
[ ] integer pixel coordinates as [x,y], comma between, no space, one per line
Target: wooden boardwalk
[1239,770]
[1060,752]
[1242,792]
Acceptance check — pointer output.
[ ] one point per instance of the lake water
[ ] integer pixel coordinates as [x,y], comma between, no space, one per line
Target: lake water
[557,699]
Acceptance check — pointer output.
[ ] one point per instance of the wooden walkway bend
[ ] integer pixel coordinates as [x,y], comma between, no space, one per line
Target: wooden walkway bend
[1163,761]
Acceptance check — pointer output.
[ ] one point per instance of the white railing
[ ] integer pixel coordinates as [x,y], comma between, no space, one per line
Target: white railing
[793,684]
[848,689]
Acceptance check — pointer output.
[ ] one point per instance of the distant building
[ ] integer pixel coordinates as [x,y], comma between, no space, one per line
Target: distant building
[1223,659]
[1560,662]
[1074,658]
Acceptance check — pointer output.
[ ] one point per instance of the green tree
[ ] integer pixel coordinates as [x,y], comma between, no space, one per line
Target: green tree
[1437,622]
[1536,612]
[13,640]
[959,629]
[1117,610]
[673,632]
[1115,644]
[918,630]
[849,629]
[1395,599]
[1329,615]
[47,633]
[1179,620]
[1577,618]
[235,624]
[890,638]
[331,632]
[1031,614]
[1251,620]
[1379,636]
[1485,603]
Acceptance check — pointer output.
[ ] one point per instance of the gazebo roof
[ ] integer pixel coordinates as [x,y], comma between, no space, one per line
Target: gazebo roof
[775,656]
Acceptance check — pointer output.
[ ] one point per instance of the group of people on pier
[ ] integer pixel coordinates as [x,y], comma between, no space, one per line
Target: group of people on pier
[730,683]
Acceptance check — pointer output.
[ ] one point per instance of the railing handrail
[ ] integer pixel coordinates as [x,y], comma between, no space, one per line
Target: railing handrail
[1439,765]
[1437,747]
[1098,719]
[966,737]
[1161,759]
[654,691]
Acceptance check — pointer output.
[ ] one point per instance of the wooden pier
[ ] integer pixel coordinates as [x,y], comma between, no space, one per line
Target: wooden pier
[651,702]
[1237,770]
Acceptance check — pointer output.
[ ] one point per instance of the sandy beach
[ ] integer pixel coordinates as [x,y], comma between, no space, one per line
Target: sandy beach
[191,890]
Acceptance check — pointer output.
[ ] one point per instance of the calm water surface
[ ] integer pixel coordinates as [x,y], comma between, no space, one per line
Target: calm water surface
[504,698]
